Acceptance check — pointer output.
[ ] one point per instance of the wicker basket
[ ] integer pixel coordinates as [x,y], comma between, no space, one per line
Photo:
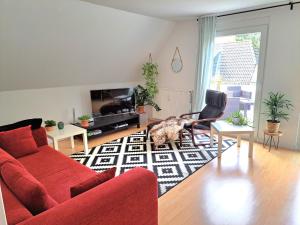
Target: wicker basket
[273,127]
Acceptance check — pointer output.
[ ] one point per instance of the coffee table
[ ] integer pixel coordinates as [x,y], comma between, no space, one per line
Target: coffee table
[69,131]
[221,127]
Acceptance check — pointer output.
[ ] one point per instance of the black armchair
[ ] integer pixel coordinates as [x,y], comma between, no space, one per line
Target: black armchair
[214,109]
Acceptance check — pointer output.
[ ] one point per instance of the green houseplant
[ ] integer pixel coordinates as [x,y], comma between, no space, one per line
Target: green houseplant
[143,98]
[49,125]
[277,107]
[150,73]
[238,119]
[84,120]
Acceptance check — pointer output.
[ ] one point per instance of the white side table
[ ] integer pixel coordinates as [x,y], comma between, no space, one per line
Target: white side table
[69,131]
[221,127]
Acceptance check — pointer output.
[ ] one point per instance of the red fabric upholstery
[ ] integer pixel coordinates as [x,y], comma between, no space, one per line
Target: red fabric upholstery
[127,199]
[26,188]
[56,171]
[93,182]
[5,157]
[18,142]
[40,136]
[14,209]
[130,199]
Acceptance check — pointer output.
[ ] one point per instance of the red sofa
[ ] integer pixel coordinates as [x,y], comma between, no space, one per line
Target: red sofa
[129,199]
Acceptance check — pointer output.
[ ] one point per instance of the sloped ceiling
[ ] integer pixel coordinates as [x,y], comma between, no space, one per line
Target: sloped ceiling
[53,43]
[181,9]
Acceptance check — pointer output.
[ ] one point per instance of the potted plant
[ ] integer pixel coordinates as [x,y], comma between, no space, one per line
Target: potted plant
[238,119]
[84,120]
[150,73]
[277,107]
[143,98]
[49,125]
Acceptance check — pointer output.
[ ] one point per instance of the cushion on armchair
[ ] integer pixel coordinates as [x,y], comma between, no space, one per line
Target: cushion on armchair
[26,188]
[215,105]
[18,142]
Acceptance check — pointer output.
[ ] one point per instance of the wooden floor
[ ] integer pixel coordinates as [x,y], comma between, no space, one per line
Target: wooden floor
[234,190]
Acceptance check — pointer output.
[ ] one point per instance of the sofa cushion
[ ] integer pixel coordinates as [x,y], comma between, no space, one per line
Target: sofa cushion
[26,188]
[56,171]
[40,136]
[5,157]
[18,142]
[15,211]
[93,182]
[35,123]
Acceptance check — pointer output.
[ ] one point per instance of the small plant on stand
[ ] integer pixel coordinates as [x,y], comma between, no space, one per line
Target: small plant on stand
[277,107]
[84,120]
[50,125]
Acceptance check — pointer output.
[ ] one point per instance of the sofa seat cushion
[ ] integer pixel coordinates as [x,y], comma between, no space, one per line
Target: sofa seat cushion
[15,211]
[18,142]
[56,171]
[92,182]
[26,188]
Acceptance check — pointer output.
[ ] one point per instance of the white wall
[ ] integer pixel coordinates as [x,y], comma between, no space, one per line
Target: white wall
[174,87]
[282,62]
[50,103]
[56,43]
[52,52]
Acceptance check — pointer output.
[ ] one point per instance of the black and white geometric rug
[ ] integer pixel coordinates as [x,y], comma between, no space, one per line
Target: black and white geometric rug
[170,162]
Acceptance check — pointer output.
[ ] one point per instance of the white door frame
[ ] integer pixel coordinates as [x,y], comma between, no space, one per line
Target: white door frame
[263,29]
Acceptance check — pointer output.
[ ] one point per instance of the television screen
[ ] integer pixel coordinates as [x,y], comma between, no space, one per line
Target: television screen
[112,101]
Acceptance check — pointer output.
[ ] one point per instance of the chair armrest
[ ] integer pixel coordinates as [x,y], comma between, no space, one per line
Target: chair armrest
[130,198]
[246,94]
[171,117]
[40,136]
[194,123]
[189,114]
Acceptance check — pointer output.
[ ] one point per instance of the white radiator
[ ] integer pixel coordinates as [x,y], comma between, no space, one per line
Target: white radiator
[173,103]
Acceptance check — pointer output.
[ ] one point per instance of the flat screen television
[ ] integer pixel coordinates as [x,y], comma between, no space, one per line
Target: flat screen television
[112,101]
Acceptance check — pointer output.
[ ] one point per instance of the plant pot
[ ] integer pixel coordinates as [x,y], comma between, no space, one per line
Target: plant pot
[84,123]
[48,128]
[273,126]
[140,109]
[235,120]
[60,125]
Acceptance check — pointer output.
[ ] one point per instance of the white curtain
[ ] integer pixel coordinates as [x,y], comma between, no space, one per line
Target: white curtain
[207,28]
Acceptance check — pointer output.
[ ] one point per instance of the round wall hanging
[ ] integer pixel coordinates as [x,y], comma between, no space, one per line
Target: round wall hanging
[176,63]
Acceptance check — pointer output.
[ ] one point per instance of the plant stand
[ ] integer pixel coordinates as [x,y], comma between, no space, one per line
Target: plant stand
[271,139]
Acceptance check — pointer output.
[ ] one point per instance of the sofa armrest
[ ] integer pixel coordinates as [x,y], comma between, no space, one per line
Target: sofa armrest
[40,136]
[130,198]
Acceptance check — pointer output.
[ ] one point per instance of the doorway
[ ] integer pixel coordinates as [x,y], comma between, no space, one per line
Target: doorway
[238,70]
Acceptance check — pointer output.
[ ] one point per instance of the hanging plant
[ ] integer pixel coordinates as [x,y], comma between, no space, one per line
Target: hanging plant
[150,73]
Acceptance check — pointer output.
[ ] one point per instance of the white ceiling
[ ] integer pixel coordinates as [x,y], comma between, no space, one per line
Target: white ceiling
[180,9]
